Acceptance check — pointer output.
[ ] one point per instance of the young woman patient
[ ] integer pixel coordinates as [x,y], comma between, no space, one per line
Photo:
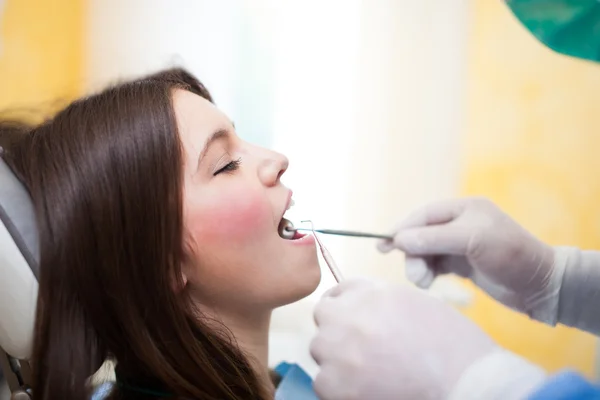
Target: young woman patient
[159,245]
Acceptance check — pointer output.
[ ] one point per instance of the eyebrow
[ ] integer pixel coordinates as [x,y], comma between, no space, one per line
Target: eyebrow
[220,134]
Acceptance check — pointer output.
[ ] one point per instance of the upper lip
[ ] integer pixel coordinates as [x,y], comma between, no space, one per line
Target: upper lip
[287,203]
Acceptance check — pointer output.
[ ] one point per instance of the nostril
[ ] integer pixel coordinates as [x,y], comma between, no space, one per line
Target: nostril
[285,163]
[280,174]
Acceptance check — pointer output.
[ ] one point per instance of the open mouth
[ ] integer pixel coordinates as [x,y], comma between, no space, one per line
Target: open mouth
[286,230]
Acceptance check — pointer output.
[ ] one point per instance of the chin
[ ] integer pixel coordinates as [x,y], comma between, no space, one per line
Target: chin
[310,280]
[304,284]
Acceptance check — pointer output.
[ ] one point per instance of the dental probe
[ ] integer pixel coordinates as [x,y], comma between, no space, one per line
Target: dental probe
[326,256]
[344,233]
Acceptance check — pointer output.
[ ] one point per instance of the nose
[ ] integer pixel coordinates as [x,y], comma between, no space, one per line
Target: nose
[272,167]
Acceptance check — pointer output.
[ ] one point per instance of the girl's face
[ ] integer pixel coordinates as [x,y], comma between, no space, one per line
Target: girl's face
[233,204]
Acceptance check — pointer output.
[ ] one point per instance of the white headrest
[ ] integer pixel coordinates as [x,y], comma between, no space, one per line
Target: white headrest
[19,258]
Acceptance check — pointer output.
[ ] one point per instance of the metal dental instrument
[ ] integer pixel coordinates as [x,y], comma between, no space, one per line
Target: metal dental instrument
[344,233]
[286,229]
[326,256]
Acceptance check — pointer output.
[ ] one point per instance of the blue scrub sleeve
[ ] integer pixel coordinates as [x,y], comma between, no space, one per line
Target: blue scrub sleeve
[567,385]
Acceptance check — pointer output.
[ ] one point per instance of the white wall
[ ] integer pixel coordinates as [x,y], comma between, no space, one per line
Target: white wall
[364,97]
[368,104]
[134,37]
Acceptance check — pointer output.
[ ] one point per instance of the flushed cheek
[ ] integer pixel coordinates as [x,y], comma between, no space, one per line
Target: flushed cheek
[232,216]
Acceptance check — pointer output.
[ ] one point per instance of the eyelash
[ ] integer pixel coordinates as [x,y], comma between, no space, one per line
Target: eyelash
[232,166]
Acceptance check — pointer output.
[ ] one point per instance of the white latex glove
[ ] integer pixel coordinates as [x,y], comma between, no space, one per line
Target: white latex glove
[473,238]
[380,341]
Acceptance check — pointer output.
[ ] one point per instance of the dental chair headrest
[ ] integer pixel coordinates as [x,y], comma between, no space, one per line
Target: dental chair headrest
[19,265]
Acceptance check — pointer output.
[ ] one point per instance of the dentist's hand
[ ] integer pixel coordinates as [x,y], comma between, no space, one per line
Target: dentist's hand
[382,341]
[473,238]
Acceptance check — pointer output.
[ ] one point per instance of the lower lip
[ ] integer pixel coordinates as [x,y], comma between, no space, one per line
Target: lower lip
[307,239]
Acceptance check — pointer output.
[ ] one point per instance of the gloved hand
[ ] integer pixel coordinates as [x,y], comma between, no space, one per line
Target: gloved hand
[381,341]
[473,238]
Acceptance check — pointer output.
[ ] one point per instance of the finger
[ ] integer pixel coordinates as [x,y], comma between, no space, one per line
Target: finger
[385,245]
[454,265]
[318,349]
[331,342]
[348,285]
[433,214]
[331,292]
[331,304]
[329,385]
[434,240]
[419,271]
[324,311]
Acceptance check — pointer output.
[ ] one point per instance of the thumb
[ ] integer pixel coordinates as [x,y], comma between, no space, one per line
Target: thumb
[419,272]
[349,285]
[385,245]
[433,240]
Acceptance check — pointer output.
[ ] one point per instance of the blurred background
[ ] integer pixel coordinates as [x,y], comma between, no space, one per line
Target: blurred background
[380,105]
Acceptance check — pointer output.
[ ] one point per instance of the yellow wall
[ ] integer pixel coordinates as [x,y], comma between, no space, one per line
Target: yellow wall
[533,146]
[41,52]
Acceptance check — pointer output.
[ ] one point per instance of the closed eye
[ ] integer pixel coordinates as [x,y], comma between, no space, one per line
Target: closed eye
[232,166]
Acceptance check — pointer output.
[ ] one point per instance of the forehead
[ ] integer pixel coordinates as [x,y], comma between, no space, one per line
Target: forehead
[197,119]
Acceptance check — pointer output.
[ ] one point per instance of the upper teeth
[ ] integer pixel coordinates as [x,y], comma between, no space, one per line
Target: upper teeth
[291,204]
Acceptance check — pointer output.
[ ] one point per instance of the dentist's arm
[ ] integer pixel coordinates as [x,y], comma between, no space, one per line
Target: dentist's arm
[473,238]
[579,299]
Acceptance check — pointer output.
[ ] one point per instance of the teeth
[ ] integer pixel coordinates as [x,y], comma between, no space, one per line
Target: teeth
[292,202]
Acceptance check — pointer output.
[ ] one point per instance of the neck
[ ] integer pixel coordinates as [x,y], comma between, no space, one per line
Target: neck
[251,332]
[252,335]
[253,338]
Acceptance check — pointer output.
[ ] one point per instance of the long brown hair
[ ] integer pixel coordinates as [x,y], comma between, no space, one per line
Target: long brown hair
[105,175]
